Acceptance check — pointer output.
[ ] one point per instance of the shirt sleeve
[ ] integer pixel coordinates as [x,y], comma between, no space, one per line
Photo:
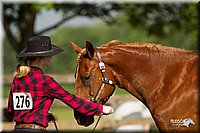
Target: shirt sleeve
[54,90]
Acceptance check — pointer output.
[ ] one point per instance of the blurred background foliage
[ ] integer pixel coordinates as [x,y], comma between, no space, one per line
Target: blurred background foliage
[171,24]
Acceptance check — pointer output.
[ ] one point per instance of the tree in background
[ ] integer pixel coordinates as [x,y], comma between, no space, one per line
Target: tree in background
[23,16]
[158,19]
[167,21]
[161,19]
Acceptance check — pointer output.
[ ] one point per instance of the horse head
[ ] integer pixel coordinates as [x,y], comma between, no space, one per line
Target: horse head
[93,79]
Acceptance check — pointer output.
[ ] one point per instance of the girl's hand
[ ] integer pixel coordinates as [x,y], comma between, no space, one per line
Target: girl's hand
[107,110]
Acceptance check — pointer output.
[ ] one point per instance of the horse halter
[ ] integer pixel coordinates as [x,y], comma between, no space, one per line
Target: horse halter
[104,78]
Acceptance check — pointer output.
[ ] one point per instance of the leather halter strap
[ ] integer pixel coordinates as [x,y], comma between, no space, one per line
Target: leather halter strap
[104,78]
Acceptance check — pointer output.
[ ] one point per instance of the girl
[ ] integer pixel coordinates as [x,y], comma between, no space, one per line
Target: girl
[33,92]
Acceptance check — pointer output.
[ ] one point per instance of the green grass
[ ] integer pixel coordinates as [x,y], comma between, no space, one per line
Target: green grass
[62,113]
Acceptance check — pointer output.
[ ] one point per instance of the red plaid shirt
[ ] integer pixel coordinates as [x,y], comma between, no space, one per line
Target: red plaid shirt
[43,89]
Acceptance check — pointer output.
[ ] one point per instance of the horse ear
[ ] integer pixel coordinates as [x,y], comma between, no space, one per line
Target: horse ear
[89,49]
[76,48]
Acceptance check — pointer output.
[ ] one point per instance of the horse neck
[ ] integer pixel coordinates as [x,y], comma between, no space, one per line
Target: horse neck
[138,71]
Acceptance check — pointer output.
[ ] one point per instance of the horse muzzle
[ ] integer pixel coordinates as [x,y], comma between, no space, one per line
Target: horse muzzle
[82,119]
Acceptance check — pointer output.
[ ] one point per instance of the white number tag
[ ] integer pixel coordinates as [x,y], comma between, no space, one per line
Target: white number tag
[22,101]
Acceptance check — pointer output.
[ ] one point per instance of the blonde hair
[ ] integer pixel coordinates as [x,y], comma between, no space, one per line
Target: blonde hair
[23,68]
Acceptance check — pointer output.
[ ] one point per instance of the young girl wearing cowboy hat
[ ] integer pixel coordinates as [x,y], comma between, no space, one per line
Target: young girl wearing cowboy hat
[32,92]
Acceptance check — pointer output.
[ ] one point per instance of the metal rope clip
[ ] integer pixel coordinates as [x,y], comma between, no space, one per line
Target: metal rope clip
[101,66]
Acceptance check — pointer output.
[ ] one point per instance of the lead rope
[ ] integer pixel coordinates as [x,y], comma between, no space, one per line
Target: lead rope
[52,119]
[55,125]
[97,123]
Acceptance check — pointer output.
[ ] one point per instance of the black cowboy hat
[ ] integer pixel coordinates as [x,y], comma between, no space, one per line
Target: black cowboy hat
[39,46]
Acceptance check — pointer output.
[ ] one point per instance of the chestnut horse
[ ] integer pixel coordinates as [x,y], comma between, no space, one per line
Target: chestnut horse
[164,79]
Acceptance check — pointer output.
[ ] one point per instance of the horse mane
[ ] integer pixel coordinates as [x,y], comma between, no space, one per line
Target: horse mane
[159,47]
[141,45]
[112,43]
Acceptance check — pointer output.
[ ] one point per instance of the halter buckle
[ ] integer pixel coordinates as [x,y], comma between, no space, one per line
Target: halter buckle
[110,82]
[101,66]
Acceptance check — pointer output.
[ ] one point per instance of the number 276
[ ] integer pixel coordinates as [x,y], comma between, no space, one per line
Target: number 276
[23,101]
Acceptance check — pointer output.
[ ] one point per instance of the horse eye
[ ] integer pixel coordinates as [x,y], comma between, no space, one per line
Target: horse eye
[86,78]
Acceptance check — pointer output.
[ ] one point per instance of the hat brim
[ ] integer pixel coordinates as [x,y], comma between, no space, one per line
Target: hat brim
[54,50]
